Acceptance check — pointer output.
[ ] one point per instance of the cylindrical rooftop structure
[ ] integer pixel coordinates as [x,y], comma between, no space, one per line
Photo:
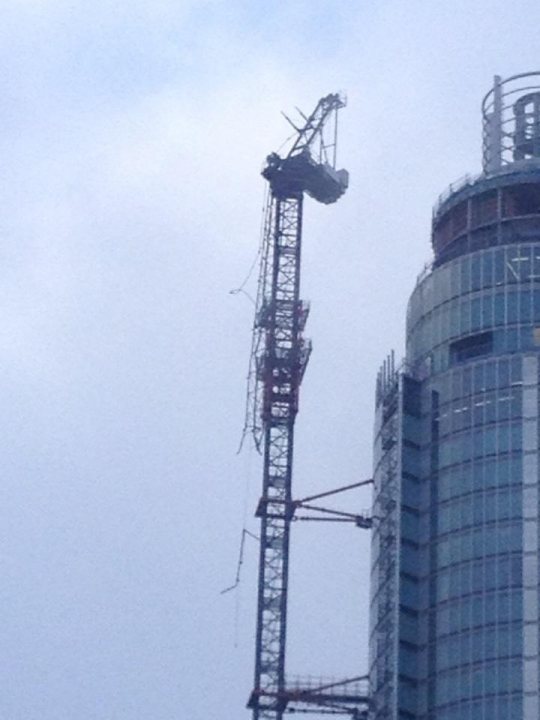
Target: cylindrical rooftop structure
[511,122]
[502,205]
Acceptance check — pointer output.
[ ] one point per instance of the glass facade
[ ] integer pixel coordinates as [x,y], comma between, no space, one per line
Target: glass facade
[454,601]
[493,292]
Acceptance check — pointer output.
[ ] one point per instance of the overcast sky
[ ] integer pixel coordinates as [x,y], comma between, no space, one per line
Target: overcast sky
[132,136]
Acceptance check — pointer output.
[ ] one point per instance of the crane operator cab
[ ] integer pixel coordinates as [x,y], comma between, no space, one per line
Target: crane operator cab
[301,173]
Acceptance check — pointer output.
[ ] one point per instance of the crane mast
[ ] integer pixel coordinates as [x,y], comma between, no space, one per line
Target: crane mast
[278,361]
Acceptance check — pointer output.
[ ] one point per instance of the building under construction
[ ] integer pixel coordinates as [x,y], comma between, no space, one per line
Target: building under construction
[454,606]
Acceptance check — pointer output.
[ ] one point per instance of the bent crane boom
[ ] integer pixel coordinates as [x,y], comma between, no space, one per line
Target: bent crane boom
[279,358]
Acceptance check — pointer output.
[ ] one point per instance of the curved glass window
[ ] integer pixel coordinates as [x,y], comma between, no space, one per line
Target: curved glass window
[488,290]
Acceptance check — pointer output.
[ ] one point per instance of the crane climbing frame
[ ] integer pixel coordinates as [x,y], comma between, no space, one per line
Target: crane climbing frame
[279,357]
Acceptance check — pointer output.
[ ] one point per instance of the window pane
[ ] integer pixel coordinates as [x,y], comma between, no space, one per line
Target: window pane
[499,310]
[512,307]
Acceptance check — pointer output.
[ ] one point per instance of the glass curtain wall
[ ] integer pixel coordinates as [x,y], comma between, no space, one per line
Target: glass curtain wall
[465,484]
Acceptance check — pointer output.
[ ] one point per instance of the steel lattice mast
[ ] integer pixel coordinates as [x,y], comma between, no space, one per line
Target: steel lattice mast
[279,358]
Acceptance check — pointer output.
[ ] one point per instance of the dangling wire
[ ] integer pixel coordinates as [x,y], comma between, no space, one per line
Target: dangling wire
[240,561]
[252,408]
[248,473]
[236,583]
[240,288]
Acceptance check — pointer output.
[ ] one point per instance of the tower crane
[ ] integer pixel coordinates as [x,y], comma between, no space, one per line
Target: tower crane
[279,357]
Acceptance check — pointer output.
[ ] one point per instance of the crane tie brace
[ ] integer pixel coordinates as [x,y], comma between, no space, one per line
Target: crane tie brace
[278,361]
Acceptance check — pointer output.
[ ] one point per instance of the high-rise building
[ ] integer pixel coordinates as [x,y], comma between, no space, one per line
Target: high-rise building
[455,556]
